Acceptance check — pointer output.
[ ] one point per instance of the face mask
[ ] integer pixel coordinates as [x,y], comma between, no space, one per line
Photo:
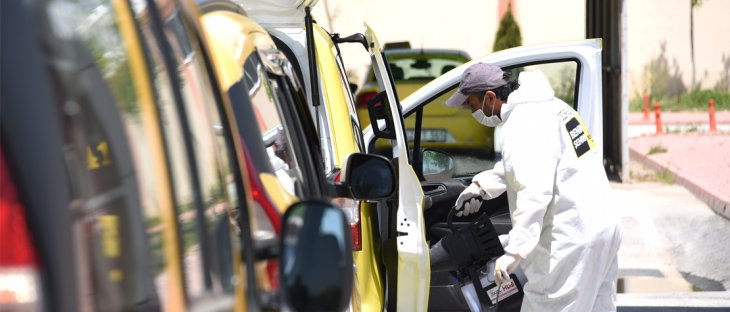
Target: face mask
[490,121]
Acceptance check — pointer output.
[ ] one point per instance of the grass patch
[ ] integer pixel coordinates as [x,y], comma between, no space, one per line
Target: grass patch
[657,149]
[694,101]
[665,176]
[647,175]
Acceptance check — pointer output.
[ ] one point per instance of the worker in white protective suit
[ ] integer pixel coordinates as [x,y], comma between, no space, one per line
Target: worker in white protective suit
[564,235]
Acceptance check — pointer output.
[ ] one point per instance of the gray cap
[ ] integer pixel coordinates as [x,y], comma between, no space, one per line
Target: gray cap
[476,78]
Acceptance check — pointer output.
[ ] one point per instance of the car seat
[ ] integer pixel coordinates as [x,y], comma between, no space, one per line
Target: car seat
[396,71]
[447,68]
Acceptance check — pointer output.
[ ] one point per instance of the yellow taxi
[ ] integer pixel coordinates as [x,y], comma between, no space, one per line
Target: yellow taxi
[272,115]
[123,182]
[449,129]
[385,251]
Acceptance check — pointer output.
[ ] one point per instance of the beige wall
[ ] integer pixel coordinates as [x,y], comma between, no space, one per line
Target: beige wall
[461,24]
[471,25]
[653,21]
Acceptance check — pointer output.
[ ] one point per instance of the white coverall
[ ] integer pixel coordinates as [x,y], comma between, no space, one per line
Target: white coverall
[562,224]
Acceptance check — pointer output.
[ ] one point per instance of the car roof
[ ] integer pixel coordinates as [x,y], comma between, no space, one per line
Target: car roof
[391,52]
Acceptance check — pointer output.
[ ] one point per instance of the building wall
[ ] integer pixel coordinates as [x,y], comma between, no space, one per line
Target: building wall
[471,25]
[651,22]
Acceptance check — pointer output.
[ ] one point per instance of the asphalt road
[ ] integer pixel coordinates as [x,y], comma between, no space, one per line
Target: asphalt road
[674,246]
[669,234]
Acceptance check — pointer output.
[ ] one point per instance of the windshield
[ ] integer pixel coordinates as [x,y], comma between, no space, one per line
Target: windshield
[421,66]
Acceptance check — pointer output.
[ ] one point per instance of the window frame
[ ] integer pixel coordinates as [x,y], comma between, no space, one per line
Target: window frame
[418,110]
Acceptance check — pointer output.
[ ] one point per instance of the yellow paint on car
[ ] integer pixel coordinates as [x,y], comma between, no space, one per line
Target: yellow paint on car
[283,198]
[369,277]
[231,34]
[336,95]
[175,299]
[109,225]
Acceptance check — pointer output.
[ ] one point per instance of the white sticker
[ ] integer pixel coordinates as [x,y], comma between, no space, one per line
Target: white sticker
[509,288]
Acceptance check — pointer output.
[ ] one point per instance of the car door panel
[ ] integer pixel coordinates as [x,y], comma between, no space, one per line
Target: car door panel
[413,253]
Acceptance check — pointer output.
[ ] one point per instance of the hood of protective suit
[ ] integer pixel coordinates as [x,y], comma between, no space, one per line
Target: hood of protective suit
[534,87]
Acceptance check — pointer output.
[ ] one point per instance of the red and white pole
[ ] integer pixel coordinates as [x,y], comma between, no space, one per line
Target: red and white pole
[658,118]
[711,109]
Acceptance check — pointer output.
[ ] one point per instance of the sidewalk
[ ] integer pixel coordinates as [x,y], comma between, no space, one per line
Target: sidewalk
[699,160]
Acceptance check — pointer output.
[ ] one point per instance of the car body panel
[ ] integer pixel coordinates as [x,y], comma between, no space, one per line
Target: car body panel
[335,95]
[150,118]
[369,291]
[122,236]
[264,94]
[283,198]
[229,71]
[414,267]
[339,129]
[284,20]
[336,131]
[235,37]
[243,298]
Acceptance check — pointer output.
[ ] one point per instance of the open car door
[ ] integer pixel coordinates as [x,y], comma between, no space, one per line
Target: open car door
[413,254]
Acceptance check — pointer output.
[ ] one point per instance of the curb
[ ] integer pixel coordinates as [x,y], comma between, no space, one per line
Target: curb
[715,201]
[674,301]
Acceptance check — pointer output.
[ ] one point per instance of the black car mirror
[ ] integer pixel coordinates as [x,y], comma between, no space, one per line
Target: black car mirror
[368,177]
[316,271]
[436,165]
[378,109]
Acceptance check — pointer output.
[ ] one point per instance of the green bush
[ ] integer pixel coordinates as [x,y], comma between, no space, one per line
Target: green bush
[694,101]
[508,33]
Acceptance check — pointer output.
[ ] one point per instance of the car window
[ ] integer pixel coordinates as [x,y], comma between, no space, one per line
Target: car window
[200,164]
[425,67]
[267,98]
[354,120]
[562,76]
[476,148]
[421,67]
[113,231]
[318,115]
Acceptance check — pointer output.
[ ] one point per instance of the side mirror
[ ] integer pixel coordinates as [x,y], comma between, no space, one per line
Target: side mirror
[378,109]
[367,177]
[316,271]
[436,165]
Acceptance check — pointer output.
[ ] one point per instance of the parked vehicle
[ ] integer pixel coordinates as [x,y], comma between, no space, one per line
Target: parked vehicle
[412,69]
[450,129]
[276,128]
[574,71]
[331,105]
[282,169]
[123,180]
